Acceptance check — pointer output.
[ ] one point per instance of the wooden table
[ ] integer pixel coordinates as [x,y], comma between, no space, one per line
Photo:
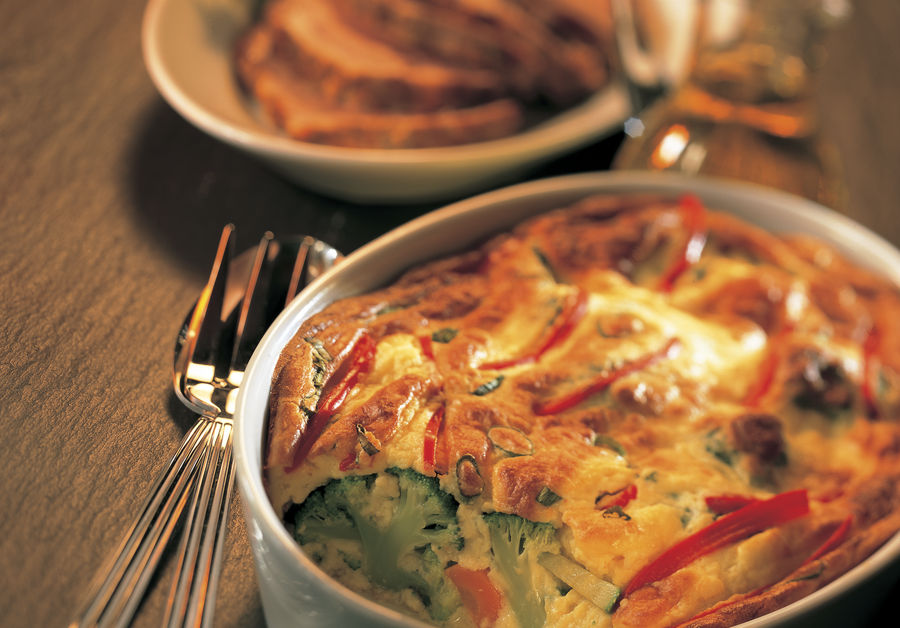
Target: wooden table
[110,206]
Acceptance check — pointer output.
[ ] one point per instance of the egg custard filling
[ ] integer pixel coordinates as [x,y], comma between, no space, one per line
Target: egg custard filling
[633,411]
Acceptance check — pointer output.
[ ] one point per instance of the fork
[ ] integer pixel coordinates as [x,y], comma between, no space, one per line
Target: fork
[212,351]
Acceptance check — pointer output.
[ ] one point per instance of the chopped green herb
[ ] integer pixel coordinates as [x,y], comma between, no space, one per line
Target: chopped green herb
[812,575]
[606,494]
[320,358]
[387,309]
[604,440]
[444,335]
[542,258]
[546,497]
[615,512]
[719,448]
[510,441]
[488,387]
[319,349]
[883,386]
[653,476]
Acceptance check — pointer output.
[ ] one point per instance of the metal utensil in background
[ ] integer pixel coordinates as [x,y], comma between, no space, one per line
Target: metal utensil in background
[241,298]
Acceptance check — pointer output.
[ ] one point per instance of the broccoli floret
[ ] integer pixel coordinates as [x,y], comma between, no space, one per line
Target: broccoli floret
[516,544]
[397,546]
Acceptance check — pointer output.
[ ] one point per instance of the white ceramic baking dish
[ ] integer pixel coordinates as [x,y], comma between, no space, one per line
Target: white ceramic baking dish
[295,592]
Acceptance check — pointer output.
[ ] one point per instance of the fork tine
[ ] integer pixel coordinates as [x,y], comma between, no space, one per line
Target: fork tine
[297,272]
[204,332]
[254,306]
[212,299]
[283,269]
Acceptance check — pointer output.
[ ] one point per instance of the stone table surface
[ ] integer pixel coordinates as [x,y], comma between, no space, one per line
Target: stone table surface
[110,207]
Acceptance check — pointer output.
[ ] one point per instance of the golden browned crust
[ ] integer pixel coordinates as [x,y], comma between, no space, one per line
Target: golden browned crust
[814,313]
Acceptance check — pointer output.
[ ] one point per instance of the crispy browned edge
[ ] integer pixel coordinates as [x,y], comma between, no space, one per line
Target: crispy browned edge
[816,574]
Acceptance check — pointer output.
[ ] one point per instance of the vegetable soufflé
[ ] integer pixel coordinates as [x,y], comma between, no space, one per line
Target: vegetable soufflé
[632,411]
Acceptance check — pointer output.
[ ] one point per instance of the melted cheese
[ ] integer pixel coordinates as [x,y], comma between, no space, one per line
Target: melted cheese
[710,353]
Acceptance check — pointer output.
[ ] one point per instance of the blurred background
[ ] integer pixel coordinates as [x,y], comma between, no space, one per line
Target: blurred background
[112,198]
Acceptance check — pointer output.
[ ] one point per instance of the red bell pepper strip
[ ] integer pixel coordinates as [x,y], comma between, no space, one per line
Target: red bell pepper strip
[764,379]
[348,462]
[429,446]
[600,383]
[837,537]
[767,368]
[626,496]
[359,362]
[870,358]
[427,346]
[479,595]
[693,215]
[725,530]
[562,327]
[724,504]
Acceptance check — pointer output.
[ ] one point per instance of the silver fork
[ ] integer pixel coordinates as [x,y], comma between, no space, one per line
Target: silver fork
[211,354]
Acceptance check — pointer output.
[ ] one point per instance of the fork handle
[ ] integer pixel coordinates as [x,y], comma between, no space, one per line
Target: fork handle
[192,596]
[120,584]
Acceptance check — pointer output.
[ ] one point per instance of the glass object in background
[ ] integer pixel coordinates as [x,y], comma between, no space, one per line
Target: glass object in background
[747,107]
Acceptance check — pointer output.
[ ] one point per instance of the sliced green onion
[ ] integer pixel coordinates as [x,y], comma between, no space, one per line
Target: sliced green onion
[542,258]
[719,448]
[812,575]
[602,440]
[546,497]
[319,349]
[367,440]
[615,512]
[510,441]
[601,593]
[387,309]
[444,335]
[468,476]
[488,387]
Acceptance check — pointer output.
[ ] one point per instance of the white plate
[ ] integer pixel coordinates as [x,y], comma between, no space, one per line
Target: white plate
[297,593]
[188,51]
